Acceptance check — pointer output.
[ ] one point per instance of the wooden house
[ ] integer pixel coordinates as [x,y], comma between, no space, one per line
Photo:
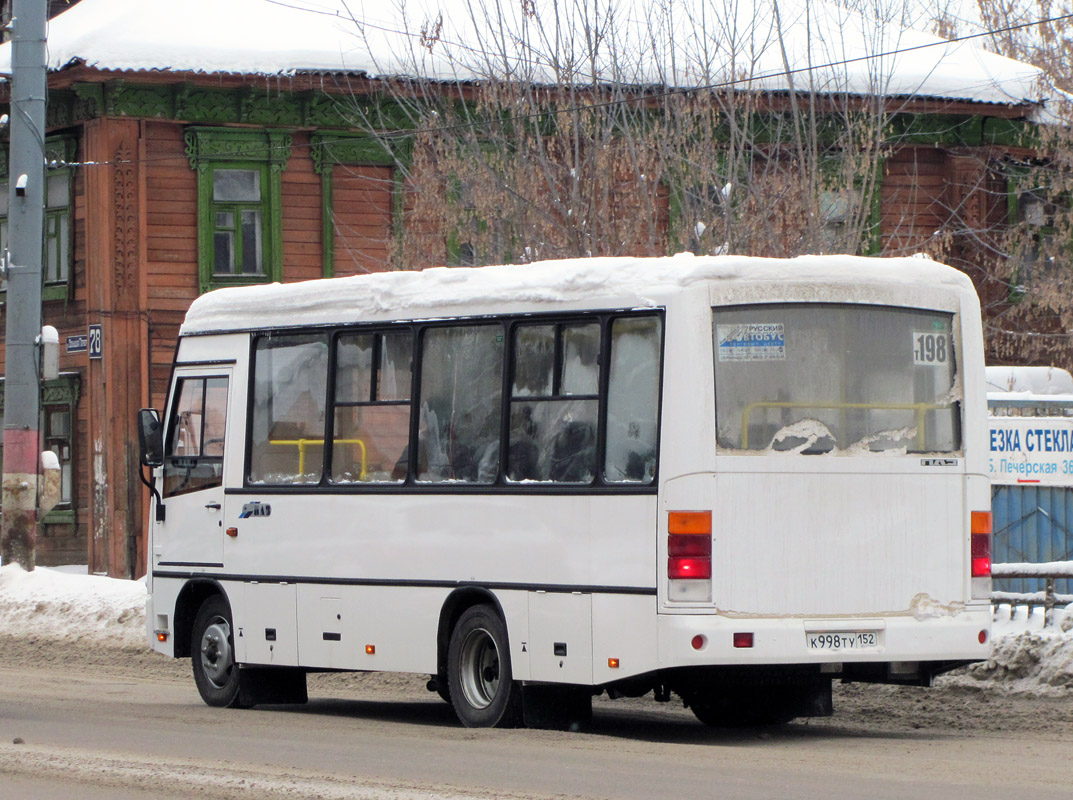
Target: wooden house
[194,145]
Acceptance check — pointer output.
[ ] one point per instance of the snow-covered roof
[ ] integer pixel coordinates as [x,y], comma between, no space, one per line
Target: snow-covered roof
[1029,387]
[1029,380]
[676,43]
[627,282]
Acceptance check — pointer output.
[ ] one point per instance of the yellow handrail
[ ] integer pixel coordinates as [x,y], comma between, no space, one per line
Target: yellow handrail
[919,408]
[302,444]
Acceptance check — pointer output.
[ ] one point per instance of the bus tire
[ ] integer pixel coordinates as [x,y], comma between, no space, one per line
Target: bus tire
[212,652]
[480,683]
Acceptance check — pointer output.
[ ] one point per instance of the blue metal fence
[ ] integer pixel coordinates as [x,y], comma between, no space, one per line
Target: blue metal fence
[1032,523]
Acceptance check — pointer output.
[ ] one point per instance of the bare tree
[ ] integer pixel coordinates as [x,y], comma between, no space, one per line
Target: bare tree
[598,127]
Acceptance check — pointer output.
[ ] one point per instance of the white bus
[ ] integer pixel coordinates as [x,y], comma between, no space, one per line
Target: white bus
[727,479]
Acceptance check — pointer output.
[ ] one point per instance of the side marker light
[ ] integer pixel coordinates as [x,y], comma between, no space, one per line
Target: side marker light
[370,649]
[612,663]
[743,640]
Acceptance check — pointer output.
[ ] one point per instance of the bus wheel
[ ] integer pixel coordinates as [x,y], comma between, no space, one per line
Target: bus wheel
[481,687]
[213,654]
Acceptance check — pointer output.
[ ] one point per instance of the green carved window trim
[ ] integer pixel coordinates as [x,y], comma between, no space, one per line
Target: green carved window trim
[871,202]
[331,149]
[474,238]
[261,151]
[1019,184]
[59,154]
[59,394]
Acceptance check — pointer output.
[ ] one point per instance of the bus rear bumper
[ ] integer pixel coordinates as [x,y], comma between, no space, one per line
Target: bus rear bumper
[891,648]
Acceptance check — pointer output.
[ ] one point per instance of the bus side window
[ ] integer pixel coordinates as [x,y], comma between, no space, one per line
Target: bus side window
[372,407]
[461,392]
[290,386]
[633,400]
[193,458]
[554,403]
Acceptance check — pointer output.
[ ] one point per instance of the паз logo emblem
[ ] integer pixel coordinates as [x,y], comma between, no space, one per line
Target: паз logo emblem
[255,509]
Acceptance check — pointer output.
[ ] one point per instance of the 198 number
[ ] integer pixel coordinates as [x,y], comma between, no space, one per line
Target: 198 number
[930,348]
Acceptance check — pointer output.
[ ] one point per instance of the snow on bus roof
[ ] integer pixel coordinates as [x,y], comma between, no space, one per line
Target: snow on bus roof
[631,281]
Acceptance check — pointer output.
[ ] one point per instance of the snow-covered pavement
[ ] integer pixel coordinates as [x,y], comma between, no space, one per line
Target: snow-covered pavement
[1030,655]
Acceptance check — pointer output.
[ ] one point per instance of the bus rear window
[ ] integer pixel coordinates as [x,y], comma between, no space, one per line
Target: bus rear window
[817,378]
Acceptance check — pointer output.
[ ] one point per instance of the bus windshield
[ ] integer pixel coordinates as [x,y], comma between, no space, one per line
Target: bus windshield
[815,378]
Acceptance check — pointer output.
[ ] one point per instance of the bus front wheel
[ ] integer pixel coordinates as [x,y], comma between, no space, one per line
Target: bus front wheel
[482,688]
[212,650]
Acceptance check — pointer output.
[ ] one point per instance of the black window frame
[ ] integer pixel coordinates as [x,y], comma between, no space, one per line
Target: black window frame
[201,457]
[418,330]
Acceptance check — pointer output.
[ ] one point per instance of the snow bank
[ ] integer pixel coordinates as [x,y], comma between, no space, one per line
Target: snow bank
[1030,655]
[55,604]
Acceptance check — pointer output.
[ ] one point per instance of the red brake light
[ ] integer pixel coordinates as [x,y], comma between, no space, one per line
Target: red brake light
[689,556]
[981,555]
[680,568]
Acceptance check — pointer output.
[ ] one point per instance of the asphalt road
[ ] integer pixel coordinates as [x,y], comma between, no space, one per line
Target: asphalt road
[139,730]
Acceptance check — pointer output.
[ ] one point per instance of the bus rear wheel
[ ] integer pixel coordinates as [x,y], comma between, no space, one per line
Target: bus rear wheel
[213,655]
[481,686]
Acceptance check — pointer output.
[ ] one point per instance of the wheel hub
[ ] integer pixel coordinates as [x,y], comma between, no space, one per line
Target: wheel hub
[217,660]
[479,671]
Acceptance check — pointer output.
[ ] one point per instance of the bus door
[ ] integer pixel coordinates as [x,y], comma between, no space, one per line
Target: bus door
[192,532]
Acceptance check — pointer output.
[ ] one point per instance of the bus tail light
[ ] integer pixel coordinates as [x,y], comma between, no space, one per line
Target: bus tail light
[981,544]
[743,639]
[689,555]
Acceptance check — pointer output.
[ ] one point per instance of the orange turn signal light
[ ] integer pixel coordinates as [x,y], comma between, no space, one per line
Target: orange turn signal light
[612,663]
[161,636]
[981,522]
[690,522]
[370,649]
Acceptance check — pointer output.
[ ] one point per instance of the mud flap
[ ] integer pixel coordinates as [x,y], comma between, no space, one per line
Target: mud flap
[556,707]
[270,685]
[812,701]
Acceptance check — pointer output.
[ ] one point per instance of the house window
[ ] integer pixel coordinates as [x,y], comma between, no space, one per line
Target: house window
[56,248]
[362,188]
[58,439]
[240,223]
[1038,218]
[59,399]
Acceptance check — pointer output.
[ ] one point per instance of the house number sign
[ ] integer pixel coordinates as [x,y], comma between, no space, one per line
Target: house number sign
[96,341]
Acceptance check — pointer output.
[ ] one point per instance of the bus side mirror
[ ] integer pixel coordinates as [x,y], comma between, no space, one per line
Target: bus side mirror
[150,438]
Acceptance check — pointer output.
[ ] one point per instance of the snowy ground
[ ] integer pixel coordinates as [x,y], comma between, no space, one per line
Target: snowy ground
[1032,655]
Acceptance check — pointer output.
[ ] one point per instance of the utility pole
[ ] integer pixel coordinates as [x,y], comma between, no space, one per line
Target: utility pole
[26,204]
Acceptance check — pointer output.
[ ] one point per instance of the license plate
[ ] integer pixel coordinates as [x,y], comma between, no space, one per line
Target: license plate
[843,640]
